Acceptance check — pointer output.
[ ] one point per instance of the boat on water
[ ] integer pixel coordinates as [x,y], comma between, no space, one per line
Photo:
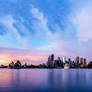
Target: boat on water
[66,66]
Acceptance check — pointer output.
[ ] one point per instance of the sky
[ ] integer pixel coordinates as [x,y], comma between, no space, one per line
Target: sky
[31,30]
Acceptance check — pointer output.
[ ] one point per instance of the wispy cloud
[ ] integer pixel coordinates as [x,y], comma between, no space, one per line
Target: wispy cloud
[11,25]
[56,40]
[39,22]
[83,22]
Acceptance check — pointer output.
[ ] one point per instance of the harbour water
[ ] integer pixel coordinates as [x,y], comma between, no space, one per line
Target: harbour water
[45,80]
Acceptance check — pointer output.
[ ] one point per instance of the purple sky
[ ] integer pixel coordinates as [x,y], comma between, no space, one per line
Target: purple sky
[31,30]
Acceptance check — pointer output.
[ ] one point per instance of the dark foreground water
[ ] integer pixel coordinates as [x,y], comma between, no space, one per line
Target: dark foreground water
[45,80]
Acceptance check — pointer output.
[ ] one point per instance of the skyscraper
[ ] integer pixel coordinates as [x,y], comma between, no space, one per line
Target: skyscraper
[77,60]
[50,62]
[81,60]
[52,57]
[64,60]
[84,61]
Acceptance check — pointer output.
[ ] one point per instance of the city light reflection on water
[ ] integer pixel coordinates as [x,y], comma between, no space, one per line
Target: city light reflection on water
[45,80]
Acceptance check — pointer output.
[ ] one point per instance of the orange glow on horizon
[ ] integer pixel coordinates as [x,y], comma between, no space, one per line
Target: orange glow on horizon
[7,58]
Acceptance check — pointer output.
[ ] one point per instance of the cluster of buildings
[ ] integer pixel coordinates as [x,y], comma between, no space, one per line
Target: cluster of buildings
[17,65]
[53,63]
[63,63]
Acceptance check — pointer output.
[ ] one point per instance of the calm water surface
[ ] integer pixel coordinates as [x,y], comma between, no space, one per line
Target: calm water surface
[45,80]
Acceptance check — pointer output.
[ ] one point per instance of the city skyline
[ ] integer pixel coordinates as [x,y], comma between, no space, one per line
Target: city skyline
[51,57]
[31,30]
[60,63]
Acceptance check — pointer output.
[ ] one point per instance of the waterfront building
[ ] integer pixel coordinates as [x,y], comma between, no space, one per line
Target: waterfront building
[58,63]
[72,65]
[42,65]
[82,62]
[77,59]
[85,64]
[50,62]
[52,57]
[11,65]
[90,65]
[77,62]
[64,60]
[66,66]
[25,65]
[70,62]
[18,64]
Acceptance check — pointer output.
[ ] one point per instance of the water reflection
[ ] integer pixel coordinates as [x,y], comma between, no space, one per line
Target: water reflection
[65,80]
[47,80]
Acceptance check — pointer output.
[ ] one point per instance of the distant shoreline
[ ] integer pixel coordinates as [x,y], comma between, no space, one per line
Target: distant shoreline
[52,63]
[48,68]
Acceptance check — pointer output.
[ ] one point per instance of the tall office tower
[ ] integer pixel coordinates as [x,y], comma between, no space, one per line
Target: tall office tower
[58,58]
[84,61]
[50,62]
[77,60]
[49,58]
[52,57]
[59,61]
[81,60]
[69,60]
[64,60]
